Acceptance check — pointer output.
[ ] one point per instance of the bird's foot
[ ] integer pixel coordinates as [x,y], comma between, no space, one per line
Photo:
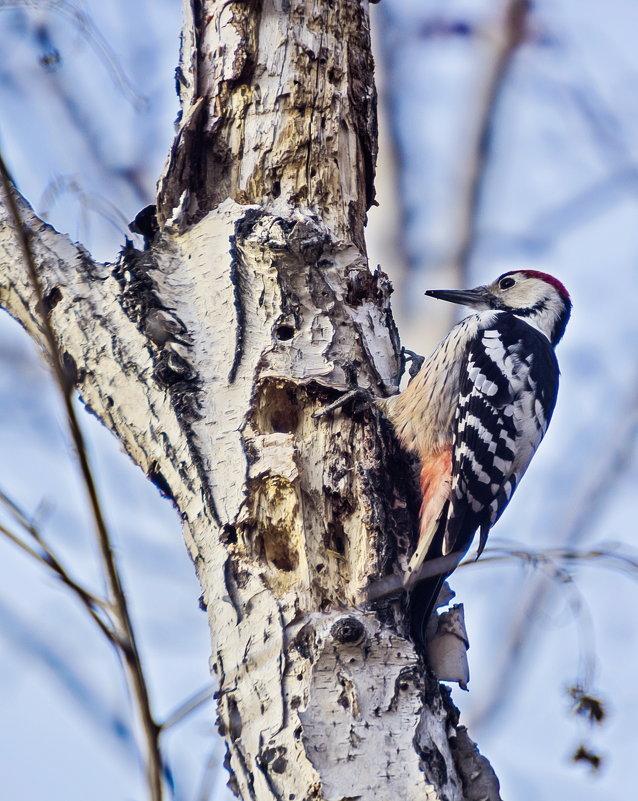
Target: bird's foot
[416,361]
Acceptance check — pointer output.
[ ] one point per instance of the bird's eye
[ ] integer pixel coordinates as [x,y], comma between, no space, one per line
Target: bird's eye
[506,283]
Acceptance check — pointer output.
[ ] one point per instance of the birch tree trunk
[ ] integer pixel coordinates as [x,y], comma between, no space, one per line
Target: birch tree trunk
[206,355]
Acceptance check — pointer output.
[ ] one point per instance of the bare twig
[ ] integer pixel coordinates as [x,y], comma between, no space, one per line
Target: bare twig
[606,555]
[210,778]
[23,545]
[585,507]
[188,706]
[47,557]
[90,201]
[505,41]
[554,563]
[89,601]
[388,585]
[101,47]
[128,642]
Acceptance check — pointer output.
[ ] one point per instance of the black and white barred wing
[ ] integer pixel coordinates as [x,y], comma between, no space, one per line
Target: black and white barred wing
[507,395]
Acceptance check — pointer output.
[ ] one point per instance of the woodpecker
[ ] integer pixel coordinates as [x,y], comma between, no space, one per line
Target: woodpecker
[475,414]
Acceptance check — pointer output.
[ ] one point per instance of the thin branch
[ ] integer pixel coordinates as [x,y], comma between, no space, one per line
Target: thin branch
[49,558]
[388,585]
[23,545]
[89,201]
[188,706]
[584,510]
[51,561]
[99,44]
[210,778]
[550,562]
[118,599]
[506,41]
[605,552]
[606,555]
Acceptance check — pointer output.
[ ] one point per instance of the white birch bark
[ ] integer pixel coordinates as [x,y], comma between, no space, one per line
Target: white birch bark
[207,354]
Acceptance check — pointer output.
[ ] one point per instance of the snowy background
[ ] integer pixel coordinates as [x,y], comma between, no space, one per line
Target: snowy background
[88,101]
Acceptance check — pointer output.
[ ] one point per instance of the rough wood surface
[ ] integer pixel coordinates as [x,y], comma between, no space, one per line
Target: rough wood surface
[278,106]
[207,354]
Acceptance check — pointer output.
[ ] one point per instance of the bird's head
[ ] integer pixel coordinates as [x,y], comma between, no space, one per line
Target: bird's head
[538,298]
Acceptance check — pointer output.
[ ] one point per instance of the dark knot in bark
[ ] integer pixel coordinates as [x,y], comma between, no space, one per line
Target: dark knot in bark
[348,631]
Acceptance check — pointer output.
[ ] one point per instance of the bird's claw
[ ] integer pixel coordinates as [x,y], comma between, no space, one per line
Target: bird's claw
[416,361]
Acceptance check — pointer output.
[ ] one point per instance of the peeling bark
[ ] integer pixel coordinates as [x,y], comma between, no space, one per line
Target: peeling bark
[278,106]
[206,355]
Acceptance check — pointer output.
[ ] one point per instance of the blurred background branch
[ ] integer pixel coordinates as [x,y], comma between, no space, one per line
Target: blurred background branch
[124,636]
[510,130]
[584,511]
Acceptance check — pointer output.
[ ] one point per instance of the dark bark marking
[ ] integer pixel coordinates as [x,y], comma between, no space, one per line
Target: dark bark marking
[145,224]
[139,298]
[348,631]
[52,298]
[157,478]
[232,587]
[243,228]
[407,675]
[250,779]
[305,643]
[235,725]
[232,783]
[271,759]
[477,775]
[434,765]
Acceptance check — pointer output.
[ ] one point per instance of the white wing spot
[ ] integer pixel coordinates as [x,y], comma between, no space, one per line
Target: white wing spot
[501,464]
[477,468]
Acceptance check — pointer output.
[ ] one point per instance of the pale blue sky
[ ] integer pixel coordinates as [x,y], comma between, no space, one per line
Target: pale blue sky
[561,195]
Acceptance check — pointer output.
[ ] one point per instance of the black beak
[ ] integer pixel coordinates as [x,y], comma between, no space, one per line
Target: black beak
[478,298]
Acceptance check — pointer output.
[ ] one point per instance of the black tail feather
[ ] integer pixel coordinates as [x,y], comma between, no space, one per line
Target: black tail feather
[422,601]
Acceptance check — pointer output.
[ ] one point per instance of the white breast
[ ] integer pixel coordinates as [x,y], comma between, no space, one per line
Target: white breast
[423,414]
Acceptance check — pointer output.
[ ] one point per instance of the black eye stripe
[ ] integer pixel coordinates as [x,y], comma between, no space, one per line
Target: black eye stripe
[506,283]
